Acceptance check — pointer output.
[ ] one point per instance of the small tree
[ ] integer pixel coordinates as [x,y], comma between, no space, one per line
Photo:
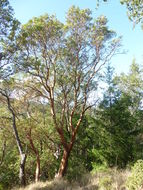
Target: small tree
[113,124]
[6,93]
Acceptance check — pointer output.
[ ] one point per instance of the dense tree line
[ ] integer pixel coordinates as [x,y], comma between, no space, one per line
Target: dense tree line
[51,124]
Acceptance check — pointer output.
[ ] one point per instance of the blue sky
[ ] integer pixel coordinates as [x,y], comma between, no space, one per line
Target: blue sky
[116,14]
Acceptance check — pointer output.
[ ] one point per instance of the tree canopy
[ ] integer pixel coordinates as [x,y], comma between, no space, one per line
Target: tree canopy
[134,9]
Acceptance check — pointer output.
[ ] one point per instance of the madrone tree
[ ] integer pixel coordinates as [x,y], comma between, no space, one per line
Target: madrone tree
[61,62]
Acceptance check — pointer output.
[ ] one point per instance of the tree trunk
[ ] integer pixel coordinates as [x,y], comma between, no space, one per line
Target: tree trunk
[19,145]
[18,141]
[63,164]
[36,152]
[37,172]
[64,161]
[22,170]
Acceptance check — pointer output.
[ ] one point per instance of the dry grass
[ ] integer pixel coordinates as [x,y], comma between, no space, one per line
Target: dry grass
[111,180]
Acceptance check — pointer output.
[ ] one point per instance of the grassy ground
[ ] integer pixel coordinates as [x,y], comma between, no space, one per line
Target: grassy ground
[111,180]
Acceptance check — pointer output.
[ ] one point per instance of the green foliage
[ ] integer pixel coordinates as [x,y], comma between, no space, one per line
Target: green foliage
[7,23]
[58,62]
[131,85]
[9,27]
[97,167]
[1,187]
[9,169]
[113,123]
[135,181]
[134,9]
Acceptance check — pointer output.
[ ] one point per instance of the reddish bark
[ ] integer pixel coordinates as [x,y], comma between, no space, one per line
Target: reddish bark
[65,158]
[36,152]
[63,164]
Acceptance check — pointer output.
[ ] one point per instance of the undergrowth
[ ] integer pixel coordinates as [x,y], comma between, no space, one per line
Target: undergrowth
[112,179]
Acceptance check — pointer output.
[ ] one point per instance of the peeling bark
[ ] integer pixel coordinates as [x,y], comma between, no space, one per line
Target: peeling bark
[22,170]
[63,164]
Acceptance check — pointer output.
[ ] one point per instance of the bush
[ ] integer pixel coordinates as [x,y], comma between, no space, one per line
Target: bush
[135,181]
[1,187]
